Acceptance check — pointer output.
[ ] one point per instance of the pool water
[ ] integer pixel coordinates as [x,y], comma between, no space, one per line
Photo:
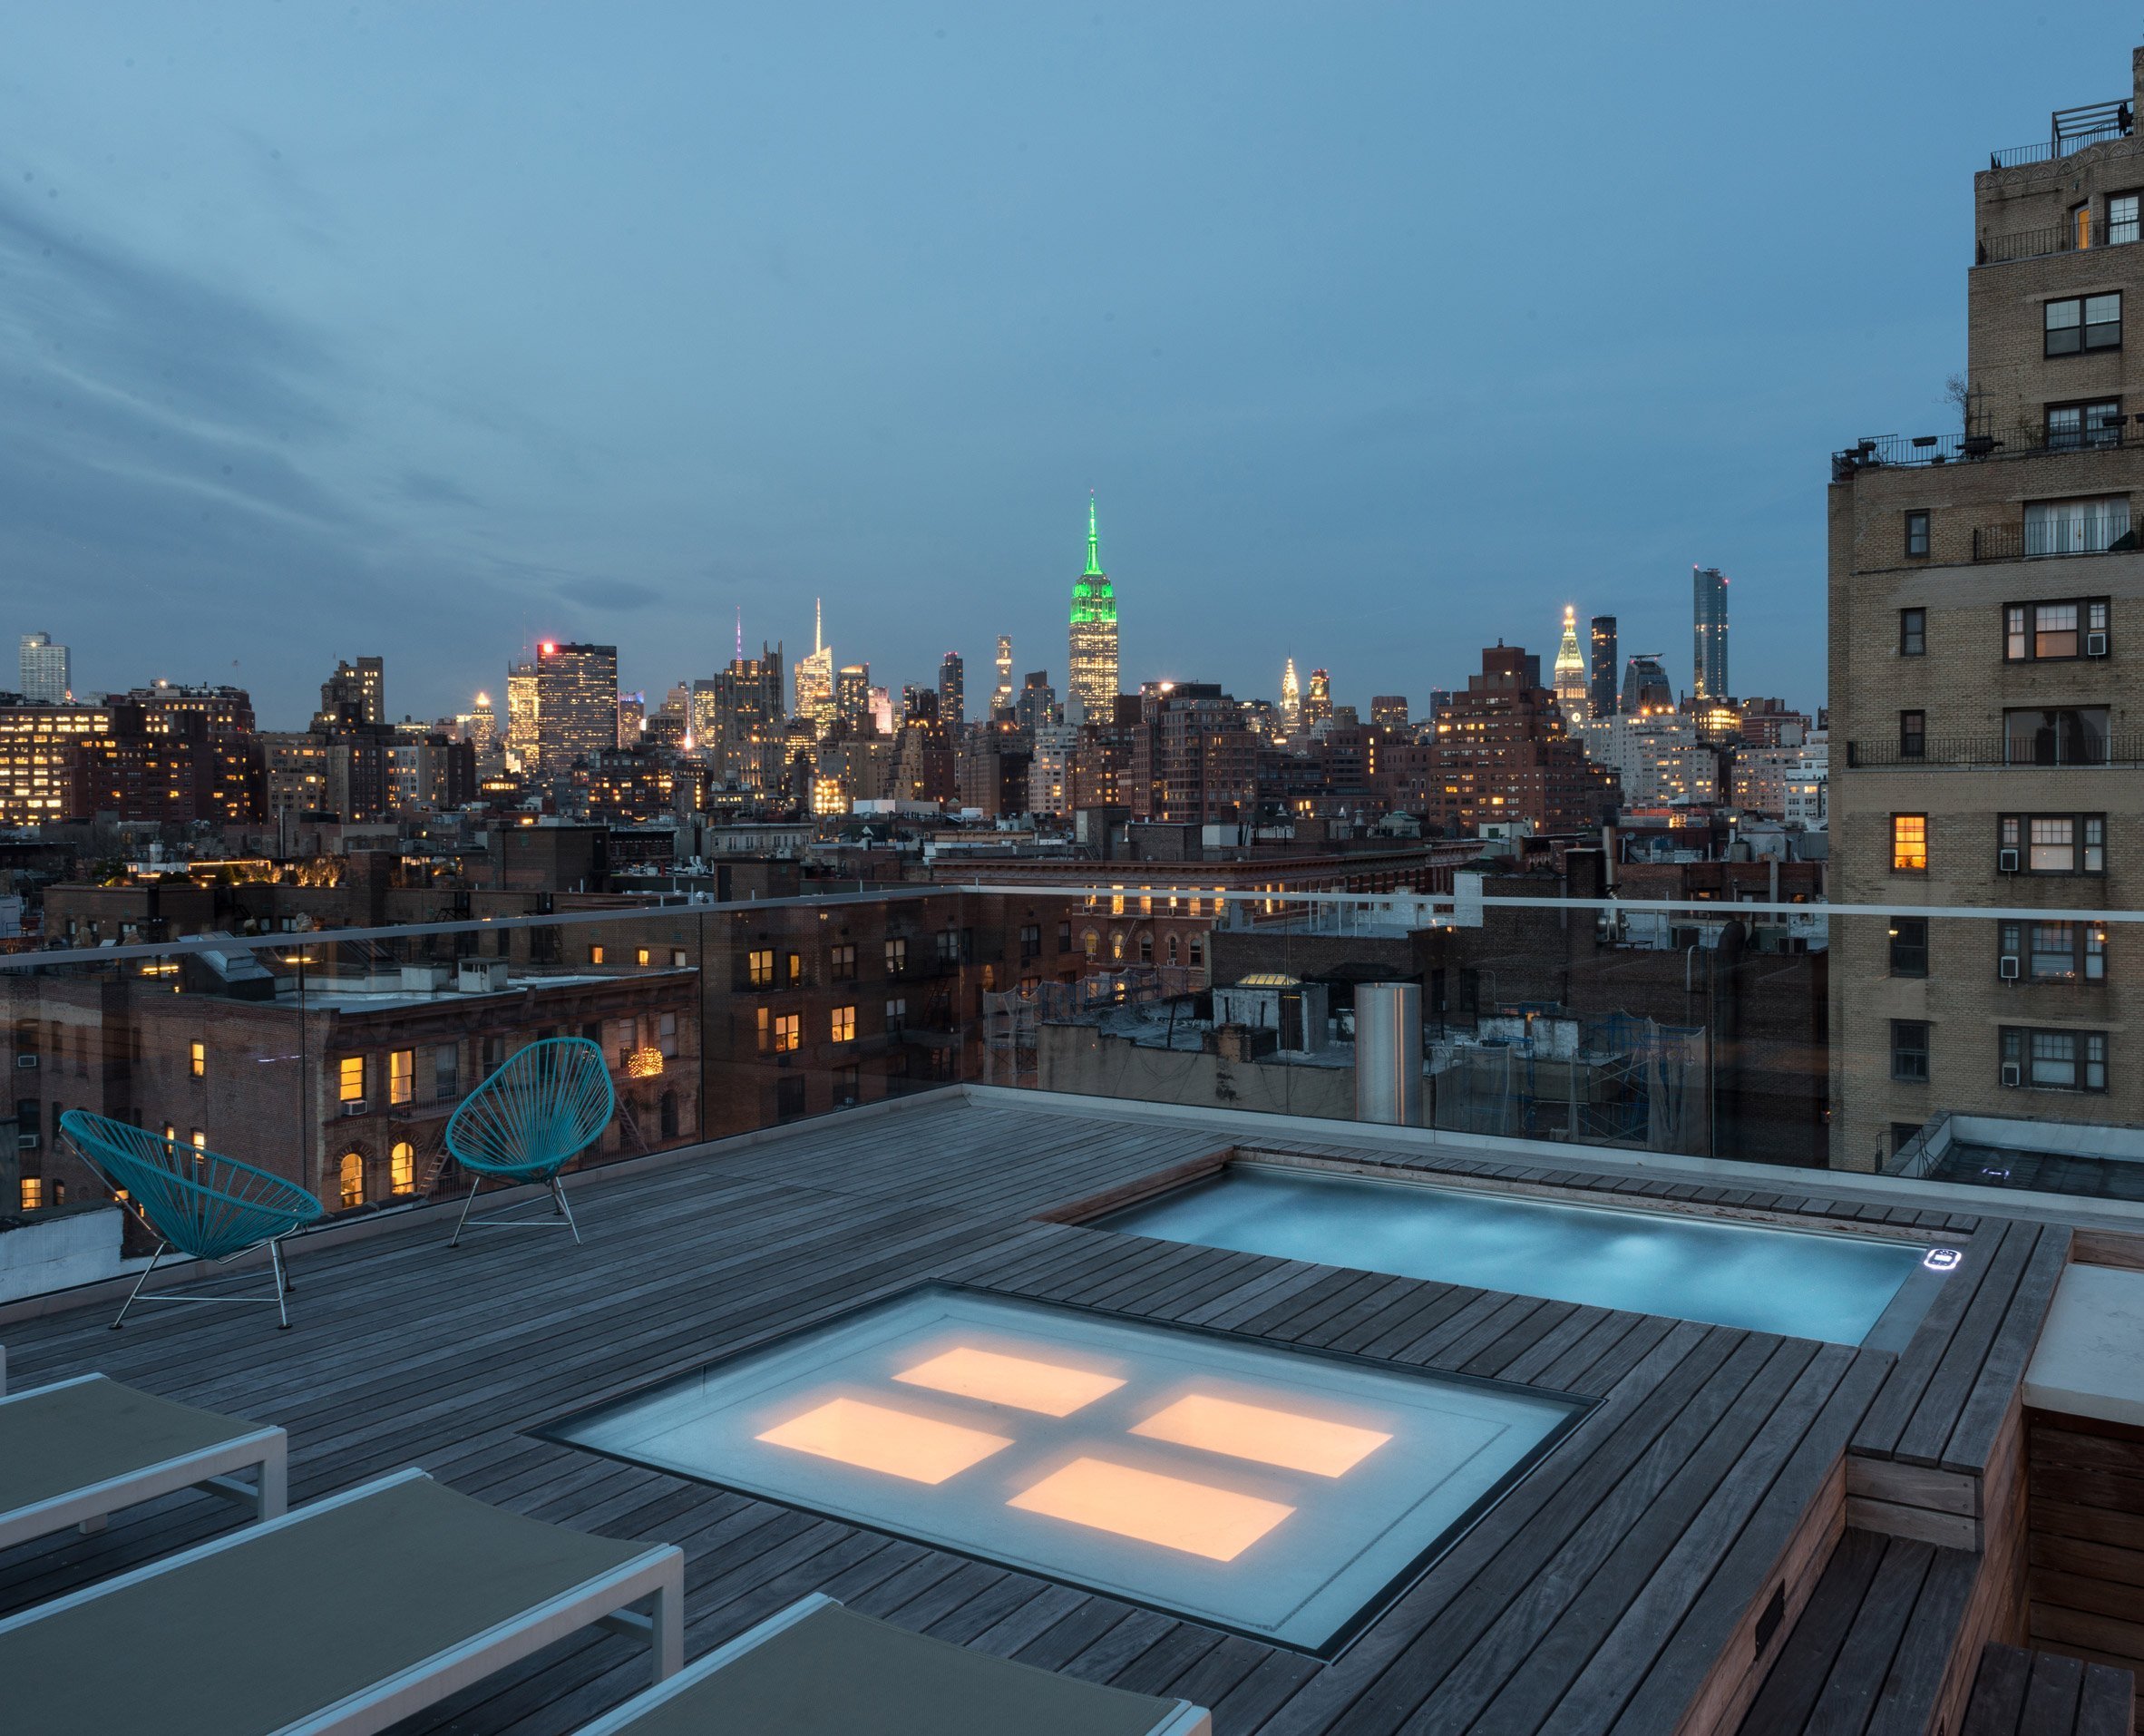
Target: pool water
[1278,1492]
[1798,1283]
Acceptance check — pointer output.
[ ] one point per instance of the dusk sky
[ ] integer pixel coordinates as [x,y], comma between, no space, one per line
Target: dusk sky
[1380,332]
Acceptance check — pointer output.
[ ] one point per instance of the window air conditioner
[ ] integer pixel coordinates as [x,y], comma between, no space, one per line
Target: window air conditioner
[2006,862]
[2095,645]
[2006,967]
[2013,1073]
[26,1060]
[25,1142]
[357,1106]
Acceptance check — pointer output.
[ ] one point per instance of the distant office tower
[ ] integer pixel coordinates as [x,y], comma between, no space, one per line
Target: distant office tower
[1708,617]
[1601,699]
[576,704]
[1317,704]
[1571,684]
[1092,689]
[881,710]
[45,673]
[1036,707]
[521,718]
[480,728]
[357,693]
[739,721]
[851,697]
[814,677]
[1645,685]
[1291,699]
[952,693]
[1001,700]
[632,719]
[1389,709]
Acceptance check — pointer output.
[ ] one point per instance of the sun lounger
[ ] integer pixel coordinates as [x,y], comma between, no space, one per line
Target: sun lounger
[73,1452]
[819,1669]
[344,1615]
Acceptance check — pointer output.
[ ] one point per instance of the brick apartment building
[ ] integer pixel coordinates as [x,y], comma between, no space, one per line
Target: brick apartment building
[349,1096]
[1985,593]
[1504,753]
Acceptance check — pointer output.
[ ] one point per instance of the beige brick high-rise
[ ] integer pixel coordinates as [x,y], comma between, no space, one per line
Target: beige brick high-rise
[1986,634]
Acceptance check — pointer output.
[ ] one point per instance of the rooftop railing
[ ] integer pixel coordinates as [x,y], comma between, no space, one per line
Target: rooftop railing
[1896,451]
[2079,235]
[1687,1013]
[2046,750]
[2069,129]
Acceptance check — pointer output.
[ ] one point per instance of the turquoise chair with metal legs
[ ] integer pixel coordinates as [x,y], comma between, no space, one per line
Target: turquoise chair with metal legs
[199,1202]
[527,1122]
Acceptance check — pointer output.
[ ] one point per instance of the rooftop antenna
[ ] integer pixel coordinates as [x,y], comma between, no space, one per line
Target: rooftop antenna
[740,633]
[816,646]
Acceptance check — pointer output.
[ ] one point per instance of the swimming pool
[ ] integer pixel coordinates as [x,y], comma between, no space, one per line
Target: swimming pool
[1801,1284]
[1278,1492]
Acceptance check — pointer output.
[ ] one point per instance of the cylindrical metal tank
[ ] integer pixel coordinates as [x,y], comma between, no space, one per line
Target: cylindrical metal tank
[1389,1053]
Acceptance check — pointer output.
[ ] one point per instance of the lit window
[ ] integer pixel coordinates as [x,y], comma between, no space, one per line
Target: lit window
[677,957]
[196,1059]
[759,966]
[350,1078]
[644,957]
[199,1138]
[843,1025]
[1909,843]
[352,1179]
[788,1033]
[33,1193]
[595,955]
[401,1075]
[402,1167]
[897,956]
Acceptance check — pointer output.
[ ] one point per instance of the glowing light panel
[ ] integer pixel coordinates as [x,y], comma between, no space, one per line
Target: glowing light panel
[875,1438]
[1195,1518]
[1020,1382]
[1284,1438]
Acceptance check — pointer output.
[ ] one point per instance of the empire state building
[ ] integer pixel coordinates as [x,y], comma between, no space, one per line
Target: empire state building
[1093,633]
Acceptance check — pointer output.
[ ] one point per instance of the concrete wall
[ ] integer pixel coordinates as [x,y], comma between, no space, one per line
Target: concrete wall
[57,1252]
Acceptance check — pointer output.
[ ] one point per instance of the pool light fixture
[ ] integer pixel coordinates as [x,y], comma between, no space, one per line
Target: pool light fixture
[1941,1259]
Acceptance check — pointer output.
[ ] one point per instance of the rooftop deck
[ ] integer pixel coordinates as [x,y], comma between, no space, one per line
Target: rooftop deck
[1642,1579]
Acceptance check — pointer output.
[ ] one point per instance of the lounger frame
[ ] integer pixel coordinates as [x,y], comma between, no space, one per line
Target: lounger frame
[1181,1719]
[656,1577]
[210,1470]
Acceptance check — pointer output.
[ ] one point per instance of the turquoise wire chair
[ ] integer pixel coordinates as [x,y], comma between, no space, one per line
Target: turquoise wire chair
[525,1124]
[199,1202]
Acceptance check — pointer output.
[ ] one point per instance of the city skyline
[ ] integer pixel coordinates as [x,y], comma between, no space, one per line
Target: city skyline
[235,385]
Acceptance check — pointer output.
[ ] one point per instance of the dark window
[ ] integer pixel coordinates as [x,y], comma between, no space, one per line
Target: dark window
[1903,1134]
[2121,218]
[848,1087]
[841,962]
[2064,737]
[666,1111]
[1916,532]
[1913,735]
[2054,1060]
[2081,323]
[1909,1050]
[789,1097]
[897,955]
[1030,943]
[1913,632]
[1064,937]
[2039,951]
[2071,426]
[1909,946]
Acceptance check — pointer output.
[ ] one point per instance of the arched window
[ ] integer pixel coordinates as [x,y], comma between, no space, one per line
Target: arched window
[1117,946]
[1091,943]
[353,1179]
[1172,948]
[402,1167]
[1145,948]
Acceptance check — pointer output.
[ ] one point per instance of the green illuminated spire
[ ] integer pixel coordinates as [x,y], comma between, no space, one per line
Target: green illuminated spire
[1094,540]
[1092,599]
